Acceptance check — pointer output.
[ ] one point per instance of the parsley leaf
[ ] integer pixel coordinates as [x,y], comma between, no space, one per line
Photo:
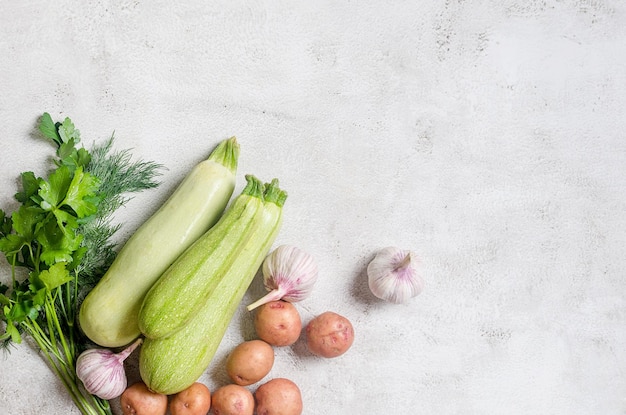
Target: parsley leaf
[68,132]
[48,128]
[72,157]
[55,276]
[11,244]
[25,220]
[30,186]
[54,190]
[82,186]
[11,331]
[57,244]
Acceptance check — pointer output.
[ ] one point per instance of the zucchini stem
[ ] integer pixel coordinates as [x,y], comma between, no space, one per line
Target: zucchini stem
[254,187]
[274,194]
[226,154]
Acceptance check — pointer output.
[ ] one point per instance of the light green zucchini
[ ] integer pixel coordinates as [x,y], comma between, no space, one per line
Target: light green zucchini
[109,314]
[186,284]
[171,364]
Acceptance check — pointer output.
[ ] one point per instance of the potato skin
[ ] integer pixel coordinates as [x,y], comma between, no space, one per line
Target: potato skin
[137,399]
[250,362]
[278,396]
[232,400]
[329,335]
[278,323]
[195,400]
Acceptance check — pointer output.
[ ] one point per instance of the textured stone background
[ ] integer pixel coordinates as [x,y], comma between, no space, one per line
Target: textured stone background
[488,136]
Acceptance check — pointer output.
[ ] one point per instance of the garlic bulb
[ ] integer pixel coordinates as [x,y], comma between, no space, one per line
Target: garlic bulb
[102,371]
[393,275]
[289,274]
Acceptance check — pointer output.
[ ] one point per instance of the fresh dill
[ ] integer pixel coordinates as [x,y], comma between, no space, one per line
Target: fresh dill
[61,236]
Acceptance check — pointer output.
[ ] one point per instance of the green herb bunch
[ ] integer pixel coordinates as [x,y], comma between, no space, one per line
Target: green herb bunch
[58,245]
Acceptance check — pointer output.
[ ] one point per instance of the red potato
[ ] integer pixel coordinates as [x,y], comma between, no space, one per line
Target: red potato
[137,399]
[250,362]
[278,323]
[329,335]
[278,396]
[232,400]
[195,400]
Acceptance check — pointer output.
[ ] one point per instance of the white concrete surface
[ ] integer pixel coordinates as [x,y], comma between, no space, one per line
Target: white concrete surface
[488,136]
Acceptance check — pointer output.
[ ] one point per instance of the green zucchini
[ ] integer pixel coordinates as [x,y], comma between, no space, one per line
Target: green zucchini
[171,364]
[186,284]
[108,315]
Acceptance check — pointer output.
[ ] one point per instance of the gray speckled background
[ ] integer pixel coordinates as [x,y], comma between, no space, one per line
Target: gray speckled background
[488,136]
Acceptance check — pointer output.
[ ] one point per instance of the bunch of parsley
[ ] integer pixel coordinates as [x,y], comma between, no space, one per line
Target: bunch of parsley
[58,245]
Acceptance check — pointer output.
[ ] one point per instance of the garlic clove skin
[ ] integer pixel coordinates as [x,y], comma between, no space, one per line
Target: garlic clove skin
[102,371]
[100,376]
[290,270]
[289,274]
[393,275]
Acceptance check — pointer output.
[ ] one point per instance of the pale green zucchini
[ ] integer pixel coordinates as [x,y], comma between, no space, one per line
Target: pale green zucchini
[171,364]
[109,313]
[184,287]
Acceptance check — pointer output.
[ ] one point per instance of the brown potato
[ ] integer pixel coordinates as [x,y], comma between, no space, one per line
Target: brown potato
[249,362]
[232,400]
[329,335]
[137,399]
[278,396]
[195,400]
[278,323]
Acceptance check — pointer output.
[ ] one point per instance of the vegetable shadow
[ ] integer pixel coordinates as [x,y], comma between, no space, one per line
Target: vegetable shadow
[217,371]
[360,290]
